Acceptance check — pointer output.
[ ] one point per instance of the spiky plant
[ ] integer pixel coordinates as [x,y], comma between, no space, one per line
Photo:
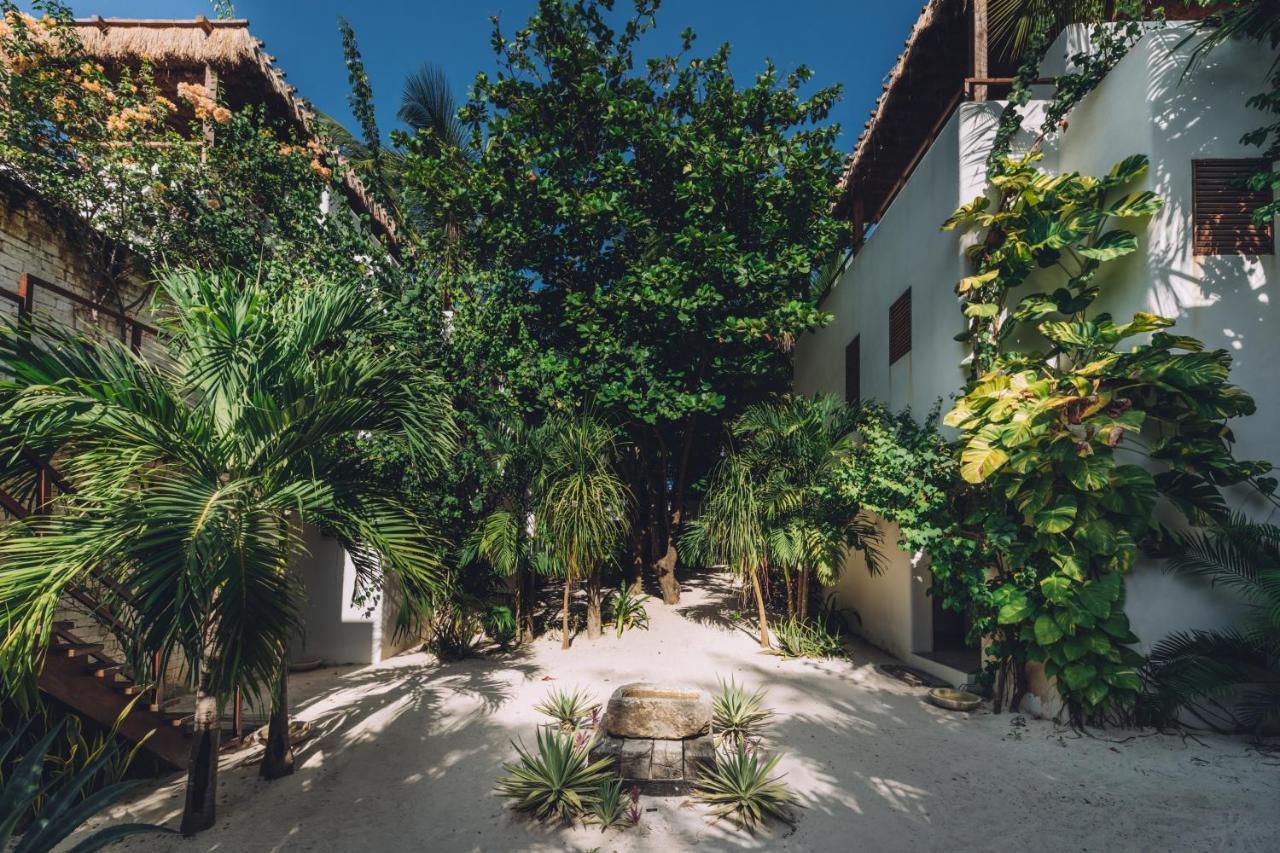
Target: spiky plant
[610,807]
[69,800]
[739,715]
[741,789]
[1229,678]
[567,708]
[627,608]
[796,639]
[559,781]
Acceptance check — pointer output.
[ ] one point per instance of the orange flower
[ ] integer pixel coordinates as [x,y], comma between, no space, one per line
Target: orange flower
[221,115]
[321,169]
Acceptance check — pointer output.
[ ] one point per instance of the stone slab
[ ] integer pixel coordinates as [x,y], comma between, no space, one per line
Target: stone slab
[699,757]
[668,760]
[635,759]
[659,711]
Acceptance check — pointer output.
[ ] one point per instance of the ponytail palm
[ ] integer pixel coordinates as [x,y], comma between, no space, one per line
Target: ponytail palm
[194,470]
[583,506]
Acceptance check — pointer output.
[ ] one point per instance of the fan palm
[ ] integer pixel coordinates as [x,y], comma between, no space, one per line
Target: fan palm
[194,471]
[1230,678]
[583,505]
[1013,22]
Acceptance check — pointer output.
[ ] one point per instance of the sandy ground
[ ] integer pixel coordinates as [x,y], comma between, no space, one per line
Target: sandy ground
[408,752]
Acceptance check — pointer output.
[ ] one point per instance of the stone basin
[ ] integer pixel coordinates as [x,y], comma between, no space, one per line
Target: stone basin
[659,711]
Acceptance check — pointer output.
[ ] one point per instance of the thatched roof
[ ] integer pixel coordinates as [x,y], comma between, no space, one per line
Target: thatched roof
[919,93]
[239,58]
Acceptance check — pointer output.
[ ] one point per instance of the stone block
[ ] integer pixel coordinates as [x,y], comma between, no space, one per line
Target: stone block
[699,757]
[658,711]
[635,759]
[668,760]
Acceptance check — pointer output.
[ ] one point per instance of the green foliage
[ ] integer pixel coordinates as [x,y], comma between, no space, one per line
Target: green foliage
[610,807]
[570,709]
[500,624]
[192,472]
[68,800]
[1056,415]
[627,609]
[741,789]
[559,781]
[797,639]
[738,715]
[1230,679]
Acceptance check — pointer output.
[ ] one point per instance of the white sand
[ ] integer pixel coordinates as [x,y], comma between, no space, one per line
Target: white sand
[409,750]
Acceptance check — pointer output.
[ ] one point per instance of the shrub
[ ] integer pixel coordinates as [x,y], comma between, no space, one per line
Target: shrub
[558,781]
[797,639]
[738,715]
[566,708]
[628,609]
[741,789]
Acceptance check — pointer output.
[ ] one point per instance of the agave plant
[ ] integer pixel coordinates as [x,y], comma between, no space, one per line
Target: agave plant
[628,609]
[610,807]
[741,789]
[567,708]
[738,715]
[558,781]
[68,803]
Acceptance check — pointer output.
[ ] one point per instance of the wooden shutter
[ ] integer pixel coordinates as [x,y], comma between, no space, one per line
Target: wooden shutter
[853,370]
[900,326]
[1222,208]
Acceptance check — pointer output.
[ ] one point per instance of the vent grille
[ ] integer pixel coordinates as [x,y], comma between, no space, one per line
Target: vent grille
[853,370]
[900,327]
[1222,209]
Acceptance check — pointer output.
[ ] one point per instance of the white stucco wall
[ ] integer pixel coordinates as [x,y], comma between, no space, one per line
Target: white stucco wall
[336,630]
[1145,105]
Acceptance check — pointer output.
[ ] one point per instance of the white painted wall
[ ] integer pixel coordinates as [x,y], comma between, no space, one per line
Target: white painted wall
[337,630]
[1144,106]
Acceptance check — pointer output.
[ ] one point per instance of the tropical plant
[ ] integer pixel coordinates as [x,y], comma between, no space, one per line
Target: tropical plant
[500,624]
[730,530]
[737,715]
[796,447]
[192,473]
[1052,404]
[627,609]
[610,807]
[68,801]
[796,639]
[741,789]
[569,709]
[584,505]
[1230,678]
[559,781]
[657,248]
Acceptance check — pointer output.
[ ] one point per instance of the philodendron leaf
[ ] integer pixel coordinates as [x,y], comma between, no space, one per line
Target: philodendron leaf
[981,309]
[1047,631]
[1125,678]
[1057,517]
[1056,588]
[1143,203]
[1112,245]
[1127,169]
[979,459]
[1078,676]
[1017,609]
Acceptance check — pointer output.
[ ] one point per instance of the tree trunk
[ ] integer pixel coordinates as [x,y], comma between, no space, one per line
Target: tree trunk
[595,627]
[199,811]
[277,761]
[524,604]
[802,596]
[564,624]
[791,589]
[760,611]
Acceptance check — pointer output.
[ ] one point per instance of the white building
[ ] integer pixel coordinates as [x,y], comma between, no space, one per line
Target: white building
[923,155]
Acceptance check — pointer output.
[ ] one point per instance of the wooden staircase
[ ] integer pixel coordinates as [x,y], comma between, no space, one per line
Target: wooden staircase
[81,675]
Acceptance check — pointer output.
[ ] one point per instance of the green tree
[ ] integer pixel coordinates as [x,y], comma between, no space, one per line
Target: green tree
[194,472]
[653,231]
[583,504]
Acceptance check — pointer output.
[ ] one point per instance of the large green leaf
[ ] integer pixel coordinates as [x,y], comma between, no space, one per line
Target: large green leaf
[1112,245]
[1047,630]
[1090,473]
[1016,610]
[1078,676]
[1057,517]
[1144,203]
[980,459]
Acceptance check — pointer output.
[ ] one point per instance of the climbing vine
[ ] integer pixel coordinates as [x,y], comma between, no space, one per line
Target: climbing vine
[1068,439]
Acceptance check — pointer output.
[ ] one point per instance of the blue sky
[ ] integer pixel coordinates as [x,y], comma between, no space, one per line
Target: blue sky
[853,42]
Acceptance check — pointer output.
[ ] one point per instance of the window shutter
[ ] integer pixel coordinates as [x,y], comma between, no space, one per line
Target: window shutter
[853,370]
[900,326]
[1222,208]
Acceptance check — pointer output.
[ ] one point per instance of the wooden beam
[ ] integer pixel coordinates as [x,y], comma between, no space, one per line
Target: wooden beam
[978,53]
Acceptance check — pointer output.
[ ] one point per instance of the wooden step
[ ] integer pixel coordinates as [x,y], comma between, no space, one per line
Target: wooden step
[128,688]
[102,670]
[64,625]
[168,703]
[75,650]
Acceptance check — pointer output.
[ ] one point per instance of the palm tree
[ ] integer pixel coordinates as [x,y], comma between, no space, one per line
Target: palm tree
[427,104]
[796,446]
[730,531]
[1013,22]
[1229,678]
[194,472]
[583,504]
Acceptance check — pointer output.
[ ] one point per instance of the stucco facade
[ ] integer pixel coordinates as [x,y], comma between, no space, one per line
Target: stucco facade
[1146,105]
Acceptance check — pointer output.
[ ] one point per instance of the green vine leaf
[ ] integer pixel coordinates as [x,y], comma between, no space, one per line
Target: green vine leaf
[1112,245]
[1058,517]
